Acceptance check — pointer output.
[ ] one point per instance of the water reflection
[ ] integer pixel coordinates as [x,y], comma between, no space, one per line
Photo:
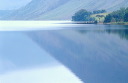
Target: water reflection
[122,31]
[23,61]
[95,55]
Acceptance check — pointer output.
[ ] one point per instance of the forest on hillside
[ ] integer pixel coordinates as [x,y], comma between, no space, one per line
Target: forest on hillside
[120,15]
[84,15]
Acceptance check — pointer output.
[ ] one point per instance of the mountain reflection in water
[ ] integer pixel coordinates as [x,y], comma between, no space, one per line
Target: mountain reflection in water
[23,61]
[95,53]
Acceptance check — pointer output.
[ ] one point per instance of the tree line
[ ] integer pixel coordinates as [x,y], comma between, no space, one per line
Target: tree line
[84,15]
[99,11]
[120,15]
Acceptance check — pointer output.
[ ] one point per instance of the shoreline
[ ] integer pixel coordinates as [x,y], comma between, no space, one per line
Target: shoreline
[118,23]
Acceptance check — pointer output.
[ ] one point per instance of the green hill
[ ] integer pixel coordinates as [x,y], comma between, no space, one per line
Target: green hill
[101,18]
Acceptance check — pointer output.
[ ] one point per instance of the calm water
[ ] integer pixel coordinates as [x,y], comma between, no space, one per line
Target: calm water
[77,53]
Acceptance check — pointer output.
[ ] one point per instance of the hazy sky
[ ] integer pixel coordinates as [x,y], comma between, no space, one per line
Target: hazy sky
[12,4]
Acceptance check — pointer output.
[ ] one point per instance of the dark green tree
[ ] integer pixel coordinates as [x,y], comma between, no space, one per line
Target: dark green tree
[99,11]
[82,15]
[126,15]
[117,16]
[108,18]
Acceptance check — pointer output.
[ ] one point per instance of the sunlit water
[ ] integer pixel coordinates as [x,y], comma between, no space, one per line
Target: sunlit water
[62,52]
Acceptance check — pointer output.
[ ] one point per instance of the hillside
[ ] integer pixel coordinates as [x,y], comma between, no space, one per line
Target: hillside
[5,13]
[61,9]
[101,18]
[34,9]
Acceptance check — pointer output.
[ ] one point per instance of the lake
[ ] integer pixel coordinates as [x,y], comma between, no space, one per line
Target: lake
[63,52]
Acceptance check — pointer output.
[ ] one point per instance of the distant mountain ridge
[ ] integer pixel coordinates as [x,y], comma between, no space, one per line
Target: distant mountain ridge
[61,9]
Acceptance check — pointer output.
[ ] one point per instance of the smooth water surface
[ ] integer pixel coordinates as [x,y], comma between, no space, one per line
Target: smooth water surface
[65,53]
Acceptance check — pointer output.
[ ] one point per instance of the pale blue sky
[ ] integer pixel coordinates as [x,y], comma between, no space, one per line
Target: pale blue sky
[12,4]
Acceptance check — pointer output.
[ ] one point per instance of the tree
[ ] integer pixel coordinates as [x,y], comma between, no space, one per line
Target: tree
[99,11]
[126,15]
[117,16]
[108,18]
[82,15]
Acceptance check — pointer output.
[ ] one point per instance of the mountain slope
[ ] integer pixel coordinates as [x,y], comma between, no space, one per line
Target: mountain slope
[5,12]
[62,9]
[35,8]
[13,5]
[72,6]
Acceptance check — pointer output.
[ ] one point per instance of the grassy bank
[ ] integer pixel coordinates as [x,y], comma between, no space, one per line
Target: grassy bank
[119,23]
[101,18]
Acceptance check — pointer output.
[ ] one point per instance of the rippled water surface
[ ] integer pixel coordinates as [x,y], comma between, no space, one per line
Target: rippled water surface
[63,52]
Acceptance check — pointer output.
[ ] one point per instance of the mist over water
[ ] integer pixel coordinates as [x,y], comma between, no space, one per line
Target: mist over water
[63,52]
